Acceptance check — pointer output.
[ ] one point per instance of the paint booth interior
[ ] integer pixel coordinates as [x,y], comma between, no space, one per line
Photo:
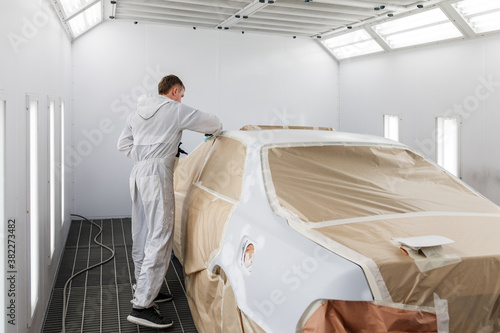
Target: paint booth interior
[73,71]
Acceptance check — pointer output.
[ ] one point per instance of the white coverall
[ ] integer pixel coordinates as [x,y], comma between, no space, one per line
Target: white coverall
[151,138]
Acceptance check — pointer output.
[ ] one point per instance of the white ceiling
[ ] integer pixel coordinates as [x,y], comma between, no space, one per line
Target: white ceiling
[284,17]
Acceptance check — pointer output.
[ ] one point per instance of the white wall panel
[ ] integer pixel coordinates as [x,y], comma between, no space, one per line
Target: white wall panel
[250,79]
[292,81]
[242,78]
[109,68]
[452,79]
[36,59]
[190,54]
[484,171]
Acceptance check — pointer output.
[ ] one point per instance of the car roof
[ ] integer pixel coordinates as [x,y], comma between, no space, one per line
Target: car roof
[260,138]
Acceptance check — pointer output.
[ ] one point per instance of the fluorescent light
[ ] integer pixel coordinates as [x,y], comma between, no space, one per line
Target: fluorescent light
[70,7]
[52,175]
[447,143]
[411,22]
[86,20]
[352,44]
[63,169]
[426,27]
[474,7]
[79,15]
[348,38]
[481,15]
[33,207]
[485,23]
[425,35]
[391,127]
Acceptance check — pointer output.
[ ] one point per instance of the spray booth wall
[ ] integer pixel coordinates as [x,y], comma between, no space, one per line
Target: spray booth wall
[455,79]
[35,81]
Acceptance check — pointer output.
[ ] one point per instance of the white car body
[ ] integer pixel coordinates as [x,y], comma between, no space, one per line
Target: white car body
[287,272]
[302,271]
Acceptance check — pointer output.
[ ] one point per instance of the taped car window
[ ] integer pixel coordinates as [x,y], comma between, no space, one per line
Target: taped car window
[324,183]
[223,172]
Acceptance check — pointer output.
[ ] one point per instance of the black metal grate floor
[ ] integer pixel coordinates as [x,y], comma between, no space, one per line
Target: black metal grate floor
[99,300]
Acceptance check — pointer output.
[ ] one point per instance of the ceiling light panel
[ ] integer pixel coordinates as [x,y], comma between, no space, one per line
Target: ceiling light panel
[481,15]
[86,19]
[71,7]
[427,27]
[352,44]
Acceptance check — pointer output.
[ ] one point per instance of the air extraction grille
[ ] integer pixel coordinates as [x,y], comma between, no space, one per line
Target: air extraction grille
[99,300]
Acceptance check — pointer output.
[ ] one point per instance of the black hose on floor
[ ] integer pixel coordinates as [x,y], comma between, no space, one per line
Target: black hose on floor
[84,270]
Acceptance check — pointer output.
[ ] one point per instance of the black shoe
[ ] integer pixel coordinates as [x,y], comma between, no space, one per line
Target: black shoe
[149,317]
[162,298]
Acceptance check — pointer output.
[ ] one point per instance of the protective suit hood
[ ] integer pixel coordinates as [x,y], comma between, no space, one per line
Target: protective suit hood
[148,105]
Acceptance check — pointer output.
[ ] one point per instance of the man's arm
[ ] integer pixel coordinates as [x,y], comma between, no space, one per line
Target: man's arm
[126,140]
[198,121]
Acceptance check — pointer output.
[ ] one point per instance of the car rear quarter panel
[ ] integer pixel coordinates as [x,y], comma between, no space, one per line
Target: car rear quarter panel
[289,271]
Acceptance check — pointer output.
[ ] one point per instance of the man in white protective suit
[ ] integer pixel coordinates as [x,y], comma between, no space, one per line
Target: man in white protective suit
[151,138]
